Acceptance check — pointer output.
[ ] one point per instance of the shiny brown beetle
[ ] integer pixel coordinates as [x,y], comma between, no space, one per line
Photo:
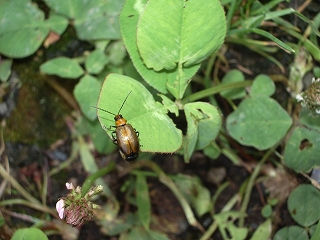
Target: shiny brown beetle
[125,136]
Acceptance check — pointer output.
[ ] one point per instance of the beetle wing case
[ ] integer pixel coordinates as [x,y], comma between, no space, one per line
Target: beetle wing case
[127,140]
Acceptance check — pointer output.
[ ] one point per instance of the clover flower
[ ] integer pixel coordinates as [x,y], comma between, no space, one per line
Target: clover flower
[75,208]
[310,98]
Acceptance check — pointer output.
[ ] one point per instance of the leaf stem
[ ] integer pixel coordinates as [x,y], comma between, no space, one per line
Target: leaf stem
[214,90]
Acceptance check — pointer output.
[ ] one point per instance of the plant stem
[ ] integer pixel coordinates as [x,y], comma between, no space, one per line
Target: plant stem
[250,185]
[214,90]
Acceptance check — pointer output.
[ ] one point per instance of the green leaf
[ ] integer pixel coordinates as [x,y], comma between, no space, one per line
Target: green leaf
[304,205]
[161,80]
[5,69]
[266,211]
[262,86]
[310,119]
[303,150]
[116,52]
[62,67]
[157,132]
[22,28]
[291,233]
[143,200]
[57,23]
[93,20]
[212,151]
[169,104]
[195,193]
[142,234]
[99,137]
[231,77]
[204,122]
[29,233]
[316,70]
[196,29]
[119,225]
[316,234]
[263,232]
[86,93]
[129,17]
[227,228]
[96,61]
[259,122]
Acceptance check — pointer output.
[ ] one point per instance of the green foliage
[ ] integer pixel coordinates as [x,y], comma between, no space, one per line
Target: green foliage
[22,22]
[303,205]
[148,117]
[204,122]
[228,228]
[233,76]
[179,23]
[62,67]
[91,20]
[194,192]
[263,232]
[167,43]
[5,70]
[29,233]
[143,201]
[168,63]
[303,150]
[292,232]
[259,121]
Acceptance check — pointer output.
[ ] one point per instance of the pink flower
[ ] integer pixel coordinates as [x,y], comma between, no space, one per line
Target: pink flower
[60,208]
[75,208]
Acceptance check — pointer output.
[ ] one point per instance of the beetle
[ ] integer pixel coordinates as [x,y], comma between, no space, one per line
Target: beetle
[125,136]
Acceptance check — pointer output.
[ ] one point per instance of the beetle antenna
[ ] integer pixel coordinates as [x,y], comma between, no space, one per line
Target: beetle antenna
[124,102]
[103,110]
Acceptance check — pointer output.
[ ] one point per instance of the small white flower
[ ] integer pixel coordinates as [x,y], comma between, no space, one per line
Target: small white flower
[299,97]
[69,186]
[315,80]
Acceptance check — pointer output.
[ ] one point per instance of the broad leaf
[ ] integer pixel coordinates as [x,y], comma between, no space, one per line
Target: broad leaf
[96,61]
[29,233]
[93,20]
[302,151]
[62,67]
[179,31]
[22,28]
[157,132]
[204,122]
[5,69]
[291,233]
[262,86]
[304,205]
[86,92]
[160,80]
[231,77]
[259,122]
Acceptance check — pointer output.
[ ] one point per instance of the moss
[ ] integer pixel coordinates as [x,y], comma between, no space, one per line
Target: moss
[39,114]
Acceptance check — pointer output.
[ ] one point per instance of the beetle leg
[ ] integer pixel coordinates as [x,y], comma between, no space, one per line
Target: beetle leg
[110,128]
[136,132]
[114,139]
